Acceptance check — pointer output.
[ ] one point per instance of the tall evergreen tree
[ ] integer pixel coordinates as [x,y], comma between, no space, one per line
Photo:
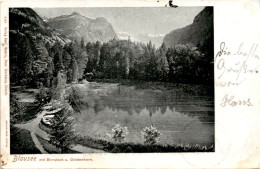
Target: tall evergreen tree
[82,43]
[63,134]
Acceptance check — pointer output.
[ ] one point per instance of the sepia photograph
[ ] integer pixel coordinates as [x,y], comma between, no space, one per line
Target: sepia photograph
[111,80]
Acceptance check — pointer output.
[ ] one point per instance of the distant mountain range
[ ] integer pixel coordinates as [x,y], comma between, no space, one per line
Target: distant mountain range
[157,40]
[126,36]
[144,38]
[76,26]
[200,33]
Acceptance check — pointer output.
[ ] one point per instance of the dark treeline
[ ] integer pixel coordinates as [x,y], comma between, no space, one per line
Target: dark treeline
[123,59]
[116,59]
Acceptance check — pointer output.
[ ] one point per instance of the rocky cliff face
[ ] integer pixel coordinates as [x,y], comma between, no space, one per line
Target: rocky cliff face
[76,27]
[198,33]
[30,62]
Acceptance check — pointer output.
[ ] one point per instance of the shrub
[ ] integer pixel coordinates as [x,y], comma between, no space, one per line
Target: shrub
[44,96]
[118,133]
[151,135]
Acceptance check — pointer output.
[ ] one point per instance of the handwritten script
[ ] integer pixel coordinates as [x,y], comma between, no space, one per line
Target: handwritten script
[231,101]
[234,67]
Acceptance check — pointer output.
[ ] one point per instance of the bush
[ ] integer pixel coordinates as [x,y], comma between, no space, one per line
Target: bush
[151,135]
[44,96]
[118,133]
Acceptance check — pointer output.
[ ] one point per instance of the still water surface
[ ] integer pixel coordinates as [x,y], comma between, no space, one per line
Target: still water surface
[181,118]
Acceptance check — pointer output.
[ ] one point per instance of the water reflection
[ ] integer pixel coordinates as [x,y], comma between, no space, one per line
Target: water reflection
[180,119]
[176,127]
[205,114]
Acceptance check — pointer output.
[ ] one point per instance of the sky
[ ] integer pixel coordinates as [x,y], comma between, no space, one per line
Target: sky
[134,20]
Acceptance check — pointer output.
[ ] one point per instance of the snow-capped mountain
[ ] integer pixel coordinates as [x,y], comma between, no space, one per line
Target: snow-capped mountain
[144,38]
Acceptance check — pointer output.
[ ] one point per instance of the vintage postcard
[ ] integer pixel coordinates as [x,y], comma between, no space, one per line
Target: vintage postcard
[130,84]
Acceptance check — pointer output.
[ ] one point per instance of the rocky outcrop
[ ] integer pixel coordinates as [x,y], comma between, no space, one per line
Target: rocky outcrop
[77,26]
[198,33]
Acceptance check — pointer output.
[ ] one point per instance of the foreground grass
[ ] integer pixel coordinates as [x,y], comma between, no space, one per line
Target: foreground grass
[22,143]
[140,148]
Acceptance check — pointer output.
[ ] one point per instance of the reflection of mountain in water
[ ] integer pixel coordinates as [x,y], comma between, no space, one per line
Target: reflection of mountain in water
[154,101]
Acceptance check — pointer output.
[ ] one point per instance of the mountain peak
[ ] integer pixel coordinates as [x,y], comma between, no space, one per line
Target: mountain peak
[77,26]
[101,19]
[75,13]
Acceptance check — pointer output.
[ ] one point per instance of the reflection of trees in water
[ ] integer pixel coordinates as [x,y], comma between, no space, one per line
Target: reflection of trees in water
[163,110]
[135,101]
[98,108]
[152,109]
[203,116]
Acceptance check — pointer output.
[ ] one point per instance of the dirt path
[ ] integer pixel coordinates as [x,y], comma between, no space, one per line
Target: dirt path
[37,143]
[33,126]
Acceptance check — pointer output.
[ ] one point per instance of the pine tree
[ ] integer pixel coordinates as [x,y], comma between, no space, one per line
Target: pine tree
[49,73]
[162,66]
[63,134]
[66,58]
[97,48]
[58,62]
[75,70]
[82,45]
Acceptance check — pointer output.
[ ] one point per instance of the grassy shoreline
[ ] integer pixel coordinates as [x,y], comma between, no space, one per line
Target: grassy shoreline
[128,147]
